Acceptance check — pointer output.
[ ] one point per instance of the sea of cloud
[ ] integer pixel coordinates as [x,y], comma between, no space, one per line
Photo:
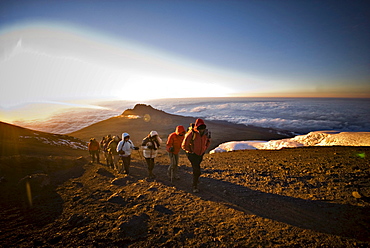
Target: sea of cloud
[297,115]
[75,118]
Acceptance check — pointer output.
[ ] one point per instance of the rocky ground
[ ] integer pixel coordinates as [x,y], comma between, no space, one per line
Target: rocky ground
[302,197]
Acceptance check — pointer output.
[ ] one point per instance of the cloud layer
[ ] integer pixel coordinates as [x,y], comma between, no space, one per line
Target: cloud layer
[300,116]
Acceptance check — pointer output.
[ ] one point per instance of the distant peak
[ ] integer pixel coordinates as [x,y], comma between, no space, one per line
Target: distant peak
[140,109]
[140,106]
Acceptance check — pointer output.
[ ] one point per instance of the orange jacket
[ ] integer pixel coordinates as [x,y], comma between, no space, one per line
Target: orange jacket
[175,140]
[194,142]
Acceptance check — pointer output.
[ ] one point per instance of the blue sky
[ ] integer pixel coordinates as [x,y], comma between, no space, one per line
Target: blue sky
[66,50]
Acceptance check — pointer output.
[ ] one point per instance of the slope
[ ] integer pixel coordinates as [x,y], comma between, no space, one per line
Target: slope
[15,140]
[36,159]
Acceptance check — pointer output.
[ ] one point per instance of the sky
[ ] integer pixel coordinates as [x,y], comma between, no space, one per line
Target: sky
[61,52]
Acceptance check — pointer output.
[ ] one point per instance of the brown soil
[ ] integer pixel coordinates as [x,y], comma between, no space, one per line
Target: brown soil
[301,197]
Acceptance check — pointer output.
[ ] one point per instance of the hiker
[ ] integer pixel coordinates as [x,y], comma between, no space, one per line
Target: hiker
[191,127]
[173,147]
[94,150]
[113,155]
[102,142]
[195,144]
[104,146]
[124,150]
[150,146]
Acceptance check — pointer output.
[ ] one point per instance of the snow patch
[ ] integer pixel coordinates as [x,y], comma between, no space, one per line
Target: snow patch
[59,142]
[318,138]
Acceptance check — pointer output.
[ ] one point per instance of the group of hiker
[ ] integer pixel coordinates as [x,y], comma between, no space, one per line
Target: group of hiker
[195,141]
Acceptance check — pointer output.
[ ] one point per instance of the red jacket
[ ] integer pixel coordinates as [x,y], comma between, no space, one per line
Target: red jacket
[196,143]
[175,140]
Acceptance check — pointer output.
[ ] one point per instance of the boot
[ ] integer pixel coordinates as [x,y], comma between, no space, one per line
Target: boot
[151,175]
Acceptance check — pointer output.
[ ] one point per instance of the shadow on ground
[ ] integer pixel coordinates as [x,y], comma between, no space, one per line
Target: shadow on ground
[33,200]
[331,218]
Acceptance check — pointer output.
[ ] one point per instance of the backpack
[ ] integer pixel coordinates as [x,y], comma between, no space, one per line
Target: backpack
[150,143]
[94,145]
[194,135]
[111,149]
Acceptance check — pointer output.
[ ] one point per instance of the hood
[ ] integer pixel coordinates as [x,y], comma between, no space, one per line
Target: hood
[199,122]
[180,129]
[153,133]
[124,135]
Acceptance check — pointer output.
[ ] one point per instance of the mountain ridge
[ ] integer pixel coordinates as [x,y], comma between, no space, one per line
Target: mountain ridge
[142,119]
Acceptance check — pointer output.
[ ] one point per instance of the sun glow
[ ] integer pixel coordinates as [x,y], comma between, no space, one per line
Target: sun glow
[141,88]
[41,110]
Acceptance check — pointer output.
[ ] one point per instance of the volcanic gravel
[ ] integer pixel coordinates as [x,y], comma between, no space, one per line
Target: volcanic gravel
[301,197]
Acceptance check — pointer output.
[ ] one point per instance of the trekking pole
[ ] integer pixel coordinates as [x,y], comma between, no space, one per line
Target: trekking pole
[172,168]
[142,159]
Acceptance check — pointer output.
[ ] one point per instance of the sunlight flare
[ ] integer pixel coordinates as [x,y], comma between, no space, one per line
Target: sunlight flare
[141,88]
